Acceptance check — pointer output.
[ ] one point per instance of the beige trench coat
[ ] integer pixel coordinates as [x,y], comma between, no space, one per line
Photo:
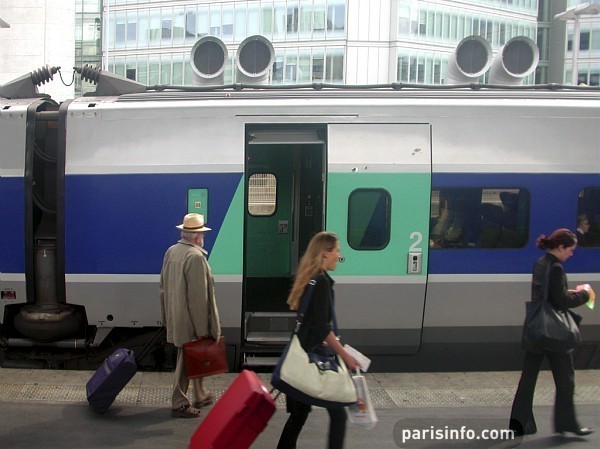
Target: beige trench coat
[187,294]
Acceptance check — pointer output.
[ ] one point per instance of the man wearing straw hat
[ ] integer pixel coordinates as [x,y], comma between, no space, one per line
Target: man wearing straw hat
[189,309]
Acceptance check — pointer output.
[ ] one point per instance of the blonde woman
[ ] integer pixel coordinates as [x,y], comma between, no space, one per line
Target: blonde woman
[322,255]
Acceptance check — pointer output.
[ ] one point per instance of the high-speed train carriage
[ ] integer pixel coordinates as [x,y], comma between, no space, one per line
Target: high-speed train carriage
[437,197]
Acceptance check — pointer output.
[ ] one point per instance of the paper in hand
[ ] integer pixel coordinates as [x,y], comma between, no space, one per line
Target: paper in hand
[592,301]
[362,359]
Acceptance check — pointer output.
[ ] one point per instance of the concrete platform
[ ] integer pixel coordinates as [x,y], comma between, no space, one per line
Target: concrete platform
[48,409]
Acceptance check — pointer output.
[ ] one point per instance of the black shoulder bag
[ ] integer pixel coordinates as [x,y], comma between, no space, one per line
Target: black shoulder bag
[546,328]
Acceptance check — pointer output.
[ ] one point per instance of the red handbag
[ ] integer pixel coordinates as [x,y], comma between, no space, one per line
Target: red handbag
[205,357]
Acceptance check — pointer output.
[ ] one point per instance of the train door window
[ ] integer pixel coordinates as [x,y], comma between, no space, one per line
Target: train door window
[262,194]
[588,218]
[369,212]
[479,218]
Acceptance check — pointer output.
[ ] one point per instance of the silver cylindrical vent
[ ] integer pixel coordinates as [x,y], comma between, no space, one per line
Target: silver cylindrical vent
[254,59]
[208,58]
[470,60]
[516,59]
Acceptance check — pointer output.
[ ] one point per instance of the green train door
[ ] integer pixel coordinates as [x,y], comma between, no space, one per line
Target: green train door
[378,201]
[284,209]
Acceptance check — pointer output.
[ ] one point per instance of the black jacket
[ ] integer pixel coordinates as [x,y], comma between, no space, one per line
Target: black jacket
[558,294]
[317,321]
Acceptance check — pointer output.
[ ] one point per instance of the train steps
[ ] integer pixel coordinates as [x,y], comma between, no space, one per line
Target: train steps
[266,334]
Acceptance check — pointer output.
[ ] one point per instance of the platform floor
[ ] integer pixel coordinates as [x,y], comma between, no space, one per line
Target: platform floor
[388,390]
[48,409]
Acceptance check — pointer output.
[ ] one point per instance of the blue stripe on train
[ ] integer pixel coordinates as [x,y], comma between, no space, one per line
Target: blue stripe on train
[554,204]
[12,226]
[124,223]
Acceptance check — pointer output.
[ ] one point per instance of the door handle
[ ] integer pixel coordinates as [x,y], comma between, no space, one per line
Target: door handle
[283,227]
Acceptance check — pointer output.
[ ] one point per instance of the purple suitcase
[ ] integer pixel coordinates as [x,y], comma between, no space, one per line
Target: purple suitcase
[110,378]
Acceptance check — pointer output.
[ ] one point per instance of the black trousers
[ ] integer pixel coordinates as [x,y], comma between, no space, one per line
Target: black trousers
[299,413]
[521,417]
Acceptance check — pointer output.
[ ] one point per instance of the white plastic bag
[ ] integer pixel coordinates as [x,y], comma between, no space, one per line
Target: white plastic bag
[362,413]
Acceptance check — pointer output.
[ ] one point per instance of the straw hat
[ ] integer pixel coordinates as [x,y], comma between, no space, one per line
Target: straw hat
[193,223]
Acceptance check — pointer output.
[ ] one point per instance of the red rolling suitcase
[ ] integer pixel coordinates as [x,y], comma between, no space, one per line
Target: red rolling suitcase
[238,417]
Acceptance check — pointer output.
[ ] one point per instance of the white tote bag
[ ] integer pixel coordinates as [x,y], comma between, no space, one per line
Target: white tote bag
[362,413]
[316,379]
[296,376]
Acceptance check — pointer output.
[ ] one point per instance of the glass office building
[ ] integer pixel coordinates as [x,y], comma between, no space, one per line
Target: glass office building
[588,60]
[88,39]
[150,41]
[428,32]
[333,41]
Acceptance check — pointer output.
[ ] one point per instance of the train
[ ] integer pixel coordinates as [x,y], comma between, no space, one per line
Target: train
[437,194]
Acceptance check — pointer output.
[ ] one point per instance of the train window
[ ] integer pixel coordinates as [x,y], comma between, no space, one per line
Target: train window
[588,218]
[369,212]
[479,218]
[262,194]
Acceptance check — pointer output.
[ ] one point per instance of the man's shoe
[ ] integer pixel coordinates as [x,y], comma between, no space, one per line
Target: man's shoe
[185,411]
[210,398]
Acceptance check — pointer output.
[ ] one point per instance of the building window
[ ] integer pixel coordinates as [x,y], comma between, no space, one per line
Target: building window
[423,23]
[319,20]
[120,31]
[444,24]
[153,70]
[277,70]
[143,28]
[292,20]
[178,26]
[369,219]
[584,41]
[290,73]
[131,29]
[166,29]
[131,67]
[336,18]
[232,22]
[165,69]
[404,20]
[190,24]
[155,30]
[335,66]
[178,69]
[227,24]
[215,20]
[302,65]
[403,68]
[142,70]
[279,21]
[318,68]
[541,74]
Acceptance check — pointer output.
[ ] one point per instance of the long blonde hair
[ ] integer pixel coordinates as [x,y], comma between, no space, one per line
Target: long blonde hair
[311,264]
